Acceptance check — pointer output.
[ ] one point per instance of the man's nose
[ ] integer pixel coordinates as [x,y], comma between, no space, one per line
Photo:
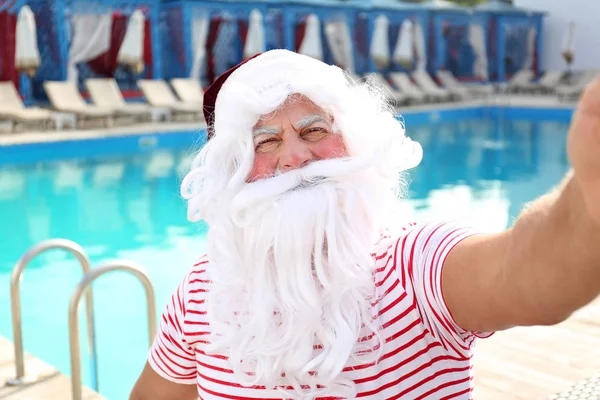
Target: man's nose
[294,154]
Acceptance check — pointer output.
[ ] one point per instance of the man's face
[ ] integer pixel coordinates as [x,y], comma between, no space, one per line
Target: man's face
[292,137]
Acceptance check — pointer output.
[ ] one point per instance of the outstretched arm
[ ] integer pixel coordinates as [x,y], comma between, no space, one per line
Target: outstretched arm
[548,264]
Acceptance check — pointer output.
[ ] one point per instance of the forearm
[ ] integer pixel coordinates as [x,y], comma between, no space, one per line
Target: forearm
[553,256]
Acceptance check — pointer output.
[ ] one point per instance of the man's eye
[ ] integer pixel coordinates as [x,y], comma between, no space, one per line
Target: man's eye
[265,144]
[315,133]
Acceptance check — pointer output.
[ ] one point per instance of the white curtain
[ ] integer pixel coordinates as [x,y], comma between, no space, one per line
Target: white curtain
[255,38]
[200,27]
[311,43]
[131,52]
[380,42]
[91,37]
[403,52]
[340,43]
[27,54]
[531,36]
[477,41]
[420,48]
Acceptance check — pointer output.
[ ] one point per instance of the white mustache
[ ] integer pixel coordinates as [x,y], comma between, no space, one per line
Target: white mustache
[252,196]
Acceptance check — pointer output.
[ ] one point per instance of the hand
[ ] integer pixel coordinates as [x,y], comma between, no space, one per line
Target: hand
[584,148]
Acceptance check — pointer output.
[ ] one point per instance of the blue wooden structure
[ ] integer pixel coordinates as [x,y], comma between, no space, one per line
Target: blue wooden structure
[296,11]
[396,12]
[449,47]
[507,32]
[53,19]
[228,18]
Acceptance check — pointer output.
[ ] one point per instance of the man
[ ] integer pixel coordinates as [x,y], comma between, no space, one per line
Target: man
[314,286]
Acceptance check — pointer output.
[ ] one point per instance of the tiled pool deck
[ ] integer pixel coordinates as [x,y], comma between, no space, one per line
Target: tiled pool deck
[51,385]
[522,363]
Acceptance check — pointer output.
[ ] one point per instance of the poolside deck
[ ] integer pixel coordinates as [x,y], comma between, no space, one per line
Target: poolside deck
[24,137]
[52,385]
[538,362]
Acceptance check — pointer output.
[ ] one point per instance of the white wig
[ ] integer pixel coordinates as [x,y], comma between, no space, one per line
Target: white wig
[259,87]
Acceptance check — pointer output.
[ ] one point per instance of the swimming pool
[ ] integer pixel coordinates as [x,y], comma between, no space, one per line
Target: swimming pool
[128,206]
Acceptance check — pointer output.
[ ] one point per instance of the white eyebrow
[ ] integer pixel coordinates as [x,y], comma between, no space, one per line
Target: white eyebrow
[266,130]
[309,120]
[302,124]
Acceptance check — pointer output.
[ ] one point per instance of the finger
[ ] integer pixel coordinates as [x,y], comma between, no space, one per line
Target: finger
[584,135]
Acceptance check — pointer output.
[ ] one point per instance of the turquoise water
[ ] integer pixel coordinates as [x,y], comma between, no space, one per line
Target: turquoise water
[481,172]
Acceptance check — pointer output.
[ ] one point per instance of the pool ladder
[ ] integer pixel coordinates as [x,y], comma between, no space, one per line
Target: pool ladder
[81,290]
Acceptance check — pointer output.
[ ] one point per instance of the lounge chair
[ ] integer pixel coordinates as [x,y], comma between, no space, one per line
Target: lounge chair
[188,90]
[520,81]
[65,97]
[574,90]
[158,94]
[546,84]
[105,93]
[392,94]
[428,85]
[13,109]
[412,91]
[451,83]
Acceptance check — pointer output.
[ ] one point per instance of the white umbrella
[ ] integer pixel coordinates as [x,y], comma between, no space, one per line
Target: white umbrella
[403,52]
[311,43]
[568,51]
[255,39]
[27,54]
[420,48]
[340,44]
[200,27]
[131,52]
[531,36]
[380,42]
[477,41]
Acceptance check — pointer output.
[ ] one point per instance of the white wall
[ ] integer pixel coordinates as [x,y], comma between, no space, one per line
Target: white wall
[586,14]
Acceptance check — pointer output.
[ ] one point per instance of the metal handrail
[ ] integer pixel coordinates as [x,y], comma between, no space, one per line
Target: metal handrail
[83,286]
[15,302]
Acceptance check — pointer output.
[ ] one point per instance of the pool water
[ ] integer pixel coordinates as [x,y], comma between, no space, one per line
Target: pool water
[477,171]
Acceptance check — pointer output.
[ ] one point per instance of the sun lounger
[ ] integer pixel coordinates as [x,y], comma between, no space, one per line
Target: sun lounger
[425,82]
[105,93]
[519,81]
[451,83]
[158,94]
[65,97]
[13,109]
[406,86]
[574,90]
[546,84]
[188,90]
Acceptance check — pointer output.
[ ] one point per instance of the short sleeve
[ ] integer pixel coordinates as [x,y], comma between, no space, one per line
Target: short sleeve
[170,355]
[420,257]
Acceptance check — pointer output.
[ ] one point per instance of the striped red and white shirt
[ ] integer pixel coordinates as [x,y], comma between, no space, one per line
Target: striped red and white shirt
[426,355]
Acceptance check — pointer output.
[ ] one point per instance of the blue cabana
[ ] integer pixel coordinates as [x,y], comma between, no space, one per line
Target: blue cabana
[55,31]
[450,47]
[329,12]
[204,38]
[396,13]
[509,31]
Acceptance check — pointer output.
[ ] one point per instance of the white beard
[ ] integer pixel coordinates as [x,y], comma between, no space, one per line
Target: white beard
[291,266]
